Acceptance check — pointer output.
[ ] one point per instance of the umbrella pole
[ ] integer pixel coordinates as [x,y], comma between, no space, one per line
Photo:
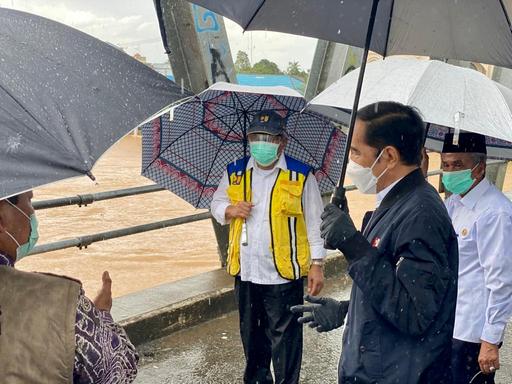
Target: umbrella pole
[338,195]
[244,237]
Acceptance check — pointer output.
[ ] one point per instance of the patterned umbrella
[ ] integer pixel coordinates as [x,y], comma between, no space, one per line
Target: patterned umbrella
[187,150]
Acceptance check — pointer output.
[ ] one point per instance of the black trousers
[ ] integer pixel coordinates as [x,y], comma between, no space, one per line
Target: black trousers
[465,364]
[269,331]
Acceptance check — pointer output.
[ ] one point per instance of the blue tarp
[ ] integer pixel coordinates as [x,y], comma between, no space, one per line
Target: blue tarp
[267,80]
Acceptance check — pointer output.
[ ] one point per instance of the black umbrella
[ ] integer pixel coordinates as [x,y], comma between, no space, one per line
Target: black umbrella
[473,30]
[65,98]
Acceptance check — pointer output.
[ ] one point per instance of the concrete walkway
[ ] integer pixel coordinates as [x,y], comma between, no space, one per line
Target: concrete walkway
[212,352]
[156,312]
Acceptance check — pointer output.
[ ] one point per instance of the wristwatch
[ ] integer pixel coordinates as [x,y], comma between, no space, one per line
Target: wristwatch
[319,262]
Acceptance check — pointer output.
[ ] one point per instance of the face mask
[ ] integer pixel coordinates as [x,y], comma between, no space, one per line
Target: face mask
[458,182]
[362,177]
[265,153]
[24,249]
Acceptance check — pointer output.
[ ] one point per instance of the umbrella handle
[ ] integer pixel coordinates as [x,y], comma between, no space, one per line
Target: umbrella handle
[339,199]
[245,241]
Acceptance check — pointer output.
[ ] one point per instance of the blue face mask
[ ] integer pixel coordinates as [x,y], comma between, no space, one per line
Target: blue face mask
[265,153]
[458,182]
[24,249]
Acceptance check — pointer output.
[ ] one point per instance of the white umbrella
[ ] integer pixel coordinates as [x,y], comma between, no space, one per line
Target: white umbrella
[446,95]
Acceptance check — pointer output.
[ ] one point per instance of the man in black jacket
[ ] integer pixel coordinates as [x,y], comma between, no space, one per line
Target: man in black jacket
[403,265]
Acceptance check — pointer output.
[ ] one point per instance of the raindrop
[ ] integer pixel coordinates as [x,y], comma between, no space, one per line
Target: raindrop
[339,31]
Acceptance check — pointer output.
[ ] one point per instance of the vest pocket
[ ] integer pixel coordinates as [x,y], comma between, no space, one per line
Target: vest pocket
[235,193]
[290,197]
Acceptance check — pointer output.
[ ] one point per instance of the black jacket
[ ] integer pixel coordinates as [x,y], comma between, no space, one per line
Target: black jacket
[402,307]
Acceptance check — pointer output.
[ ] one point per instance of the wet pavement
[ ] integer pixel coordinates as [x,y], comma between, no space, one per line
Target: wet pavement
[212,352]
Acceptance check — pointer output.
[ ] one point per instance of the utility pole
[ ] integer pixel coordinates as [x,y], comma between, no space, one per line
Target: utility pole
[197,45]
[330,62]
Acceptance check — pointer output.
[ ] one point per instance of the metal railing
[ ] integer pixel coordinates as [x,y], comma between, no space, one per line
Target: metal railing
[84,241]
[90,198]
[87,199]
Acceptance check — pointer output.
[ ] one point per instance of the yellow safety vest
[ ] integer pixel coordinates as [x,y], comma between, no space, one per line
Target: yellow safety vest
[289,242]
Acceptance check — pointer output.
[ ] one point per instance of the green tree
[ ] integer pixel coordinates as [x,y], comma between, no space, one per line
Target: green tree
[242,63]
[266,67]
[295,70]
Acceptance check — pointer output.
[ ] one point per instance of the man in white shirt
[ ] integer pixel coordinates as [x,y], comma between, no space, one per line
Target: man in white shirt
[482,219]
[277,199]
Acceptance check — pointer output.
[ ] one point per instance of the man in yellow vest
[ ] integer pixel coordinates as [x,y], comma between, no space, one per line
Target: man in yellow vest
[49,331]
[281,210]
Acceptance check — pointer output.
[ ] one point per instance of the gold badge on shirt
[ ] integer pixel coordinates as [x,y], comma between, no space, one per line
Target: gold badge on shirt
[464,232]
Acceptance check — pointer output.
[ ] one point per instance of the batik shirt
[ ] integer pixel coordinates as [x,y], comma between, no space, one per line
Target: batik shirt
[103,354]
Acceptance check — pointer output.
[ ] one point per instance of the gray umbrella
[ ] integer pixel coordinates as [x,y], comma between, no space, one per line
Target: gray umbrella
[474,30]
[65,98]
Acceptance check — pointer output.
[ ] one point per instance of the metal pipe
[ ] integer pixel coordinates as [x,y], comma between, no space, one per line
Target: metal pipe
[92,197]
[84,241]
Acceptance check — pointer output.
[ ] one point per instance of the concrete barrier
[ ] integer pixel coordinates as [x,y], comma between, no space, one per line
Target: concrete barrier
[157,312]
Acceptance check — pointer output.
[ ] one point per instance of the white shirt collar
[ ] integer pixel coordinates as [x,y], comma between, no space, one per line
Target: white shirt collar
[473,196]
[382,194]
[281,163]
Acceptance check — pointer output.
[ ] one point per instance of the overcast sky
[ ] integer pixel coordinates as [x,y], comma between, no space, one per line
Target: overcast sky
[132,24]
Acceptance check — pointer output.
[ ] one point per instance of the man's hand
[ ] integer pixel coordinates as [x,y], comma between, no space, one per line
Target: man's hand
[103,300]
[315,279]
[489,357]
[337,226]
[325,315]
[241,209]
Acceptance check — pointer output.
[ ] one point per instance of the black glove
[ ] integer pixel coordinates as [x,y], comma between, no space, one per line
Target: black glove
[326,313]
[337,226]
[339,199]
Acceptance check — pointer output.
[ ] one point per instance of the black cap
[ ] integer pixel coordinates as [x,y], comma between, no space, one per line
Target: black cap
[268,122]
[469,142]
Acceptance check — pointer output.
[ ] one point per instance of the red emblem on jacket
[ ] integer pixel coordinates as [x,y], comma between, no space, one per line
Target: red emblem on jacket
[375,242]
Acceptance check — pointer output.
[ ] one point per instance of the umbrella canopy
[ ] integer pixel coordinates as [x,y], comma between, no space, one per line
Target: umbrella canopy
[65,98]
[188,153]
[472,30]
[446,95]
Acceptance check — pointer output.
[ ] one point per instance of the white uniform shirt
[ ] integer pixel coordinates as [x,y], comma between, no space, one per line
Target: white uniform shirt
[483,222]
[256,261]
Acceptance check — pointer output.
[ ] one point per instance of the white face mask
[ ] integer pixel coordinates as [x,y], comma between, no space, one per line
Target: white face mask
[362,177]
